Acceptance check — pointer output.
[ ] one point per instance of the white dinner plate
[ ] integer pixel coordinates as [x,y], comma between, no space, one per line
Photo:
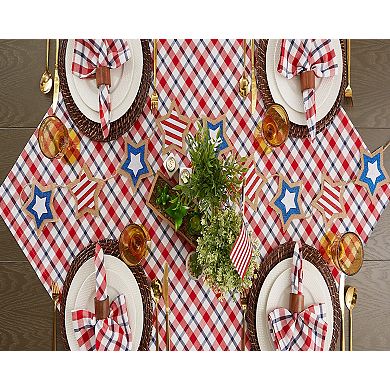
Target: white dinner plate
[125,83]
[287,92]
[120,280]
[275,292]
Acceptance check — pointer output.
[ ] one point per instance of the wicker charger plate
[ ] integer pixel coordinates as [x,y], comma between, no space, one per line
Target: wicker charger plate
[122,125]
[111,247]
[298,131]
[279,254]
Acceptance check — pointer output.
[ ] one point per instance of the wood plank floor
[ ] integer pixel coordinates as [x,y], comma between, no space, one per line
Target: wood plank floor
[25,307]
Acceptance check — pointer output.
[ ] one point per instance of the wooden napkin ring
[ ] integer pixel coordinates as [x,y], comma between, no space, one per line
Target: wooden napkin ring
[307,80]
[296,303]
[103,76]
[102,309]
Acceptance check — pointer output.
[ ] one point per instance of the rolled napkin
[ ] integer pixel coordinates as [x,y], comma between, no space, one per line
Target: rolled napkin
[108,328]
[298,329]
[93,58]
[308,58]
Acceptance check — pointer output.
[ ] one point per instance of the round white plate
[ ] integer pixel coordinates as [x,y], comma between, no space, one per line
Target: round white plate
[125,83]
[288,92]
[275,293]
[120,280]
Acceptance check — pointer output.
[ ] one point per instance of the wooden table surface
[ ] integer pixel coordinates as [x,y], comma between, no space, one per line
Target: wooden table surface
[25,307]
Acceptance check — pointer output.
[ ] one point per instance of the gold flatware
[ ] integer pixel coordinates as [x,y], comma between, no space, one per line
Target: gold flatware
[350,302]
[166,302]
[154,97]
[56,89]
[244,83]
[342,307]
[46,81]
[253,77]
[55,295]
[156,290]
[244,303]
[348,89]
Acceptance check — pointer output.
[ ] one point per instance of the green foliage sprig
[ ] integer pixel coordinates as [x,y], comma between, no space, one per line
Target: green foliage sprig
[213,253]
[214,182]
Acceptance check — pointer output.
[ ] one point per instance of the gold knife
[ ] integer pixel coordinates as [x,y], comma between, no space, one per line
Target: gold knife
[56,89]
[253,77]
[166,301]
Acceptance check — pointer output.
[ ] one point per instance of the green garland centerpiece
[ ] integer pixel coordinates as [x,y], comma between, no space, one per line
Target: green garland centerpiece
[212,191]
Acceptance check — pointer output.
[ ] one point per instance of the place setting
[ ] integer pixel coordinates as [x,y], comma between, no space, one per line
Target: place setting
[106,301]
[279,69]
[104,93]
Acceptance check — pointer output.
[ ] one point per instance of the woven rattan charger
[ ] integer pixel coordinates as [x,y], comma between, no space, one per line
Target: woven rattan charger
[123,124]
[111,247]
[279,254]
[297,131]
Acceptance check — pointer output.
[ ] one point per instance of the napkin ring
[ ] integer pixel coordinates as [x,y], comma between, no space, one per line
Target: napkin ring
[102,309]
[103,76]
[307,80]
[296,303]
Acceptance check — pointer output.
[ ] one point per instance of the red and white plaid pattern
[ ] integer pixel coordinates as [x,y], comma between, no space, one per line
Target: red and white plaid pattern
[330,200]
[300,55]
[252,182]
[84,192]
[241,253]
[201,75]
[304,331]
[297,270]
[100,270]
[110,334]
[90,54]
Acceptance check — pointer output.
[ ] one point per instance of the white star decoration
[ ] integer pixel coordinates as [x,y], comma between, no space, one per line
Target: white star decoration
[135,163]
[213,136]
[373,171]
[289,200]
[39,206]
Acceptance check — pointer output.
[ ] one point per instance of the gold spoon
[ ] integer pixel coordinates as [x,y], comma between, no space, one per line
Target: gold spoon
[156,289]
[244,83]
[350,302]
[46,81]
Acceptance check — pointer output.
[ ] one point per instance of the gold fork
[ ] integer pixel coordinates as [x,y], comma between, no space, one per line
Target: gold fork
[244,302]
[55,294]
[154,97]
[348,90]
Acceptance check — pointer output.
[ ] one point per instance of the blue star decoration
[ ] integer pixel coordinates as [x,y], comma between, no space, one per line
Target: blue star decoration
[217,131]
[135,163]
[287,202]
[372,173]
[39,206]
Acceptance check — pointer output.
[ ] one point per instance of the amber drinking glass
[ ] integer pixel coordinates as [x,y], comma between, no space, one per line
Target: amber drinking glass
[133,243]
[53,137]
[273,131]
[346,253]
